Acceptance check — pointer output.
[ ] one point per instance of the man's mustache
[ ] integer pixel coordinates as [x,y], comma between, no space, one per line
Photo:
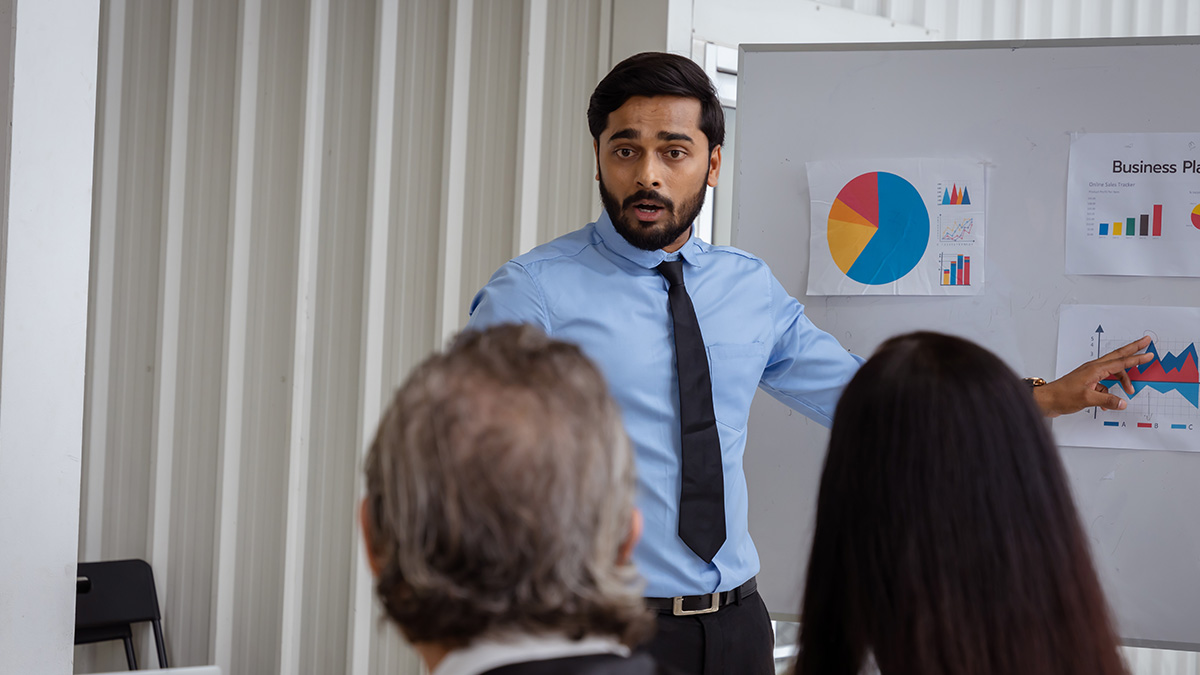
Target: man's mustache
[651,195]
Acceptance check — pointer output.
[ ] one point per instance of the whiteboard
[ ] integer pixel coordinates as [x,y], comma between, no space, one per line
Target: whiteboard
[1011,106]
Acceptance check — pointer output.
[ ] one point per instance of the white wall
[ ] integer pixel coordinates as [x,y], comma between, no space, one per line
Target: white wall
[796,21]
[655,25]
[45,310]
[1034,19]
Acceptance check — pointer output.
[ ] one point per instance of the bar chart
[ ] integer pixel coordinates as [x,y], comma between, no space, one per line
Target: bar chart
[955,269]
[1143,225]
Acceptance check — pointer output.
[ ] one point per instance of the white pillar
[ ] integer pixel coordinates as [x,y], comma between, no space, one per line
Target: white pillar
[47,228]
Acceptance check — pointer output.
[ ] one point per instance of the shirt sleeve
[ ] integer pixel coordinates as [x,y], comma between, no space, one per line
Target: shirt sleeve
[510,296]
[807,368]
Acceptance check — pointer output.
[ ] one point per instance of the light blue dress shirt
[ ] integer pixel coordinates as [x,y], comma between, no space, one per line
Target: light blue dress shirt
[593,288]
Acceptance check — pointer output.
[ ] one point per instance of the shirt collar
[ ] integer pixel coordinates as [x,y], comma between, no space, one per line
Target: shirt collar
[691,251]
[487,653]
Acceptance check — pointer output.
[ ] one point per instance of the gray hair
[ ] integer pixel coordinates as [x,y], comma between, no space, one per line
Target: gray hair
[499,491]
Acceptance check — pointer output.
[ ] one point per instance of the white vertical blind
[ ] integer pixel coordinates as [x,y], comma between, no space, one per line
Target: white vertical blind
[304,353]
[170,296]
[372,327]
[235,301]
[294,202]
[529,131]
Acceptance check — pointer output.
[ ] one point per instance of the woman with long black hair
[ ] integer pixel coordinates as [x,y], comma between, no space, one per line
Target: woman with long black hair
[946,540]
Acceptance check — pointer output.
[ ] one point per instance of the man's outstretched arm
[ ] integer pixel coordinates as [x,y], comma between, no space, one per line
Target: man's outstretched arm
[1081,387]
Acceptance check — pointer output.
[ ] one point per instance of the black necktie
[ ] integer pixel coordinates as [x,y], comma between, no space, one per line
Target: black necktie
[702,494]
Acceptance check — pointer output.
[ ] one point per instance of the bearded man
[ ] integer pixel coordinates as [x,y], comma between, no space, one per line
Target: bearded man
[685,333]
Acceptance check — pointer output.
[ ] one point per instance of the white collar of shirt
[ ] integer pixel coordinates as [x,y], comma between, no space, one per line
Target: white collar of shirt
[487,653]
[616,243]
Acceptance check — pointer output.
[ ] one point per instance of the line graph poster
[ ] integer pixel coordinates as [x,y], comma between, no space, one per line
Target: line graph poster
[896,227]
[1164,411]
[1133,205]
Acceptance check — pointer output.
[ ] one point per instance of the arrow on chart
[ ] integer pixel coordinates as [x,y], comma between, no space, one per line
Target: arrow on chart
[1099,332]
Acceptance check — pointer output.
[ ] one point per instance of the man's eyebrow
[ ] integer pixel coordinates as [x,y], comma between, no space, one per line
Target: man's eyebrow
[674,136]
[627,134]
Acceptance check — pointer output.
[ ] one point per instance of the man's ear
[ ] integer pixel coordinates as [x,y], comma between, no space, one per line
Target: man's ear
[625,553]
[596,156]
[364,523]
[714,166]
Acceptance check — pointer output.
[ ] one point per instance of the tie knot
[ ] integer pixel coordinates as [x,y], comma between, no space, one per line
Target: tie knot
[672,270]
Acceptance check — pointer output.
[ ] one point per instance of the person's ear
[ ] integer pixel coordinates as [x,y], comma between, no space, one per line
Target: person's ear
[363,515]
[625,553]
[596,155]
[714,166]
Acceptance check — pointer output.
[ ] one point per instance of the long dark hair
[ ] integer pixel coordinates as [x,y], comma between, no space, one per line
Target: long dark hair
[657,74]
[947,541]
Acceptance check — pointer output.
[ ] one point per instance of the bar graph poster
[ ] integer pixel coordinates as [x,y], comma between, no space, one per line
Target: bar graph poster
[896,227]
[1164,411]
[1133,205]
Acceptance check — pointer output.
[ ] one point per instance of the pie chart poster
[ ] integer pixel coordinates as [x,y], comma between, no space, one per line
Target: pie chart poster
[896,227]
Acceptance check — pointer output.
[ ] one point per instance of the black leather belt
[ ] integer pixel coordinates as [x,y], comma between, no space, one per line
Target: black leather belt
[687,605]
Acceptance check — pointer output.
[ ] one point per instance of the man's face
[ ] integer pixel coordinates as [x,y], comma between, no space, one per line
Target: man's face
[653,165]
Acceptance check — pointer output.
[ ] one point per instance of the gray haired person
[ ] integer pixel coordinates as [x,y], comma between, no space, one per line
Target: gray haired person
[499,518]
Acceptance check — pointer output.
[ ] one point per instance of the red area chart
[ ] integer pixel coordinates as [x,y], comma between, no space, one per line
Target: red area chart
[1173,372]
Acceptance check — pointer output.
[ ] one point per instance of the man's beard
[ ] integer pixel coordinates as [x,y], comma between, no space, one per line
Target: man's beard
[660,234]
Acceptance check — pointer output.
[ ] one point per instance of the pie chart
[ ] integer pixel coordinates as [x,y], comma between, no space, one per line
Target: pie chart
[878,228]
[1196,216]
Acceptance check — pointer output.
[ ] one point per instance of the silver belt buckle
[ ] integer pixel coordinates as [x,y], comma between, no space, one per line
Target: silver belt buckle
[678,610]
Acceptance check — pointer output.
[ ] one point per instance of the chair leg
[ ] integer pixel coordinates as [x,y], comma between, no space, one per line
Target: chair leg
[129,657]
[158,642]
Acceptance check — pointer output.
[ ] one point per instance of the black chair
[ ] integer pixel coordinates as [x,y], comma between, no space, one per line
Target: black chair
[112,596]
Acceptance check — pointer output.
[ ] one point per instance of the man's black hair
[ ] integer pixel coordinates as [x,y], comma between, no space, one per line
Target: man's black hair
[657,74]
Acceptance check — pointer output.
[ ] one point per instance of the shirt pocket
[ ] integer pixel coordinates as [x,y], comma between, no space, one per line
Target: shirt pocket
[736,370]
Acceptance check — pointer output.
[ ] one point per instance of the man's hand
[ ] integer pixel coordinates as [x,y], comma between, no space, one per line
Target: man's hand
[1081,387]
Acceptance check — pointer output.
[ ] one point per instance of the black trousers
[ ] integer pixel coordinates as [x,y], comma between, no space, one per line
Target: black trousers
[737,640]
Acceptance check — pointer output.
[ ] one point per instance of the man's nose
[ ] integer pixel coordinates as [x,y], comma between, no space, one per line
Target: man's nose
[648,177]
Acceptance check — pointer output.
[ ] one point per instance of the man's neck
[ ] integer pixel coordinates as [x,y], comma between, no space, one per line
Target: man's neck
[432,653]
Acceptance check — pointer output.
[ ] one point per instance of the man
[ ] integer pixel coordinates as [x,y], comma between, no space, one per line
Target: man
[635,290]
[499,517]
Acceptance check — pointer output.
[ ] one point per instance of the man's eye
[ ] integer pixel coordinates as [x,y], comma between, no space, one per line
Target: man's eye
[625,152]
[675,154]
